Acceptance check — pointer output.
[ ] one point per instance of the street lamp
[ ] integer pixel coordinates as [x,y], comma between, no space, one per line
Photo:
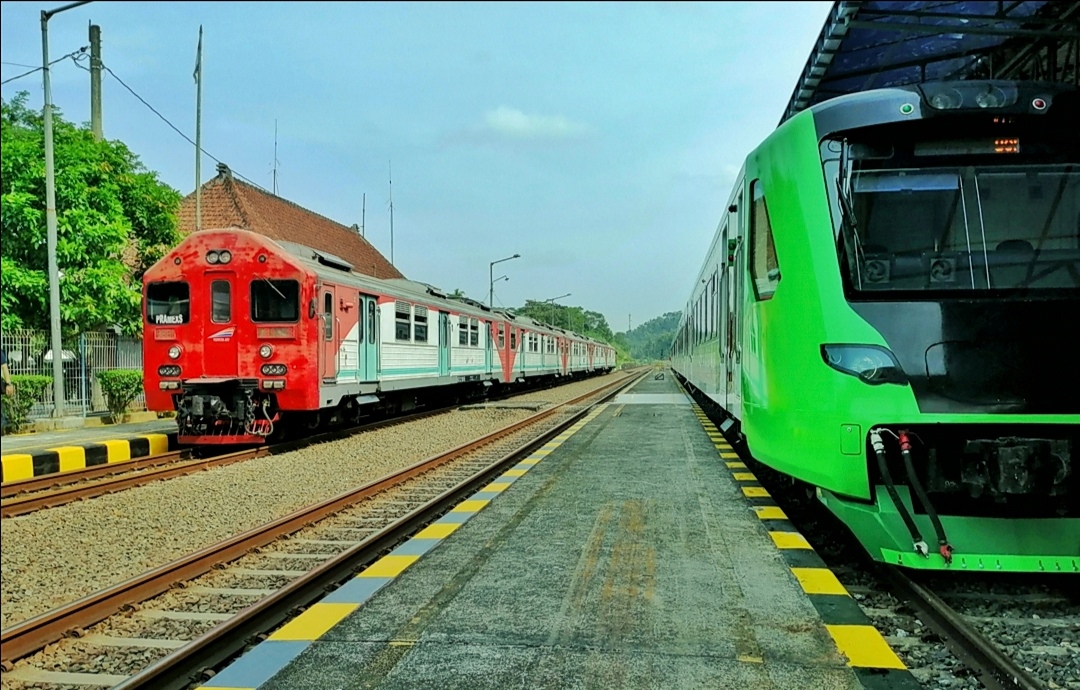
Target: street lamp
[491,280]
[552,300]
[50,216]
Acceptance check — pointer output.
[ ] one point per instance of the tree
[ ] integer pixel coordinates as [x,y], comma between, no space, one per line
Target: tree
[114,220]
[652,339]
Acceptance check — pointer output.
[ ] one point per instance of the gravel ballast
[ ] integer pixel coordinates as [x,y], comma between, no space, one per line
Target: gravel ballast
[56,556]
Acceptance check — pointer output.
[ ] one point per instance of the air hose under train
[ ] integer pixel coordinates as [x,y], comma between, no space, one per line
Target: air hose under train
[944,548]
[883,466]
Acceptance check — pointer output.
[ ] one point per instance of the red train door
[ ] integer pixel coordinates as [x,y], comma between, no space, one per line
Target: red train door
[330,326]
[220,350]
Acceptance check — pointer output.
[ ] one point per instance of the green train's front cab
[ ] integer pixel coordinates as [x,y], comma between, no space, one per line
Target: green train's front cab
[914,257]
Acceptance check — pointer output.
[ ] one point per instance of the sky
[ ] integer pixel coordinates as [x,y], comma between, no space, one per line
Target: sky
[599,141]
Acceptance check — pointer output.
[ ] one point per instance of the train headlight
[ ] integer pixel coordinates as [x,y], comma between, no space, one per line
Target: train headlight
[274,369]
[870,363]
[224,256]
[169,370]
[175,352]
[265,351]
[212,257]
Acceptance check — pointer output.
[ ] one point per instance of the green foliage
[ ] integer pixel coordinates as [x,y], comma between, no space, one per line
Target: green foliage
[576,319]
[121,387]
[114,220]
[651,341]
[28,390]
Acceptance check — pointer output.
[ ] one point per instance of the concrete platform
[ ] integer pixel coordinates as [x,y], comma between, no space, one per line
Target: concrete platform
[32,455]
[624,554]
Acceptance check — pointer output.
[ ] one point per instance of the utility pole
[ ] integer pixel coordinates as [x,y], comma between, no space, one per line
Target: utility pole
[391,169]
[363,213]
[629,323]
[198,134]
[51,228]
[95,82]
[275,157]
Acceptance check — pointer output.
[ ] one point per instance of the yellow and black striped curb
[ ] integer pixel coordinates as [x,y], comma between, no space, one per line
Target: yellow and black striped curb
[263,661]
[868,653]
[65,458]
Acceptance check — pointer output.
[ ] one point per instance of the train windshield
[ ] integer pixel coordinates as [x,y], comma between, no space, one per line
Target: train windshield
[275,300]
[168,304]
[979,210]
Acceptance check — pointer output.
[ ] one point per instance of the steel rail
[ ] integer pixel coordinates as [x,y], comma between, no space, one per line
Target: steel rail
[33,634]
[182,668]
[996,671]
[117,474]
[55,479]
[178,468]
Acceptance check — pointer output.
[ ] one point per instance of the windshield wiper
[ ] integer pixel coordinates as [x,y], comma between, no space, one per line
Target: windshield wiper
[849,228]
[274,287]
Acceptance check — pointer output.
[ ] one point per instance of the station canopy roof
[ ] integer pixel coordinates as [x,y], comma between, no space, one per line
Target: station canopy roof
[876,43]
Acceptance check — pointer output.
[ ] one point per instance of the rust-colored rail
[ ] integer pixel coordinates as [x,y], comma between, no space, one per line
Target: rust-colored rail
[33,634]
[995,669]
[130,474]
[71,491]
[55,479]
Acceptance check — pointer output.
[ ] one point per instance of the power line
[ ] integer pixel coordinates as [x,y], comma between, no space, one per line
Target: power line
[73,55]
[176,129]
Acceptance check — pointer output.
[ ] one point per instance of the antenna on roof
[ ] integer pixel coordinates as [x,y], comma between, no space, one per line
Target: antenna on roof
[275,157]
[391,169]
[363,213]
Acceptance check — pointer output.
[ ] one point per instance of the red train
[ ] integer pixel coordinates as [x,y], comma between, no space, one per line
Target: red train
[247,337]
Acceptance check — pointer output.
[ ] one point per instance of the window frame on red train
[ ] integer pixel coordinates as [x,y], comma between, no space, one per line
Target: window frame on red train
[420,324]
[402,321]
[261,301]
[169,309]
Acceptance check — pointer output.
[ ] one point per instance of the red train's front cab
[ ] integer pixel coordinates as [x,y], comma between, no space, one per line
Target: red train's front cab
[229,343]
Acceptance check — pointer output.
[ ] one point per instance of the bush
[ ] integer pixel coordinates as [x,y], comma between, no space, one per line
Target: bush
[121,387]
[28,390]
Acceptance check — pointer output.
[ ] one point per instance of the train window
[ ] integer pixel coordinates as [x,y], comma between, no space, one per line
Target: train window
[474,332]
[360,322]
[402,321]
[420,324]
[513,340]
[328,315]
[275,300]
[220,301]
[502,335]
[168,303]
[764,267]
[371,321]
[463,330]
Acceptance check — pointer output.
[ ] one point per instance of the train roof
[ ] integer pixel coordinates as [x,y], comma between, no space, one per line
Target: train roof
[880,43]
[414,290]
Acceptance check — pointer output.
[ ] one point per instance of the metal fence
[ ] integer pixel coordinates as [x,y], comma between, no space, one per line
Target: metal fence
[29,352]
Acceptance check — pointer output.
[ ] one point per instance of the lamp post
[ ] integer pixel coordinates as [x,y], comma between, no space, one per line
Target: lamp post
[552,300]
[50,216]
[491,279]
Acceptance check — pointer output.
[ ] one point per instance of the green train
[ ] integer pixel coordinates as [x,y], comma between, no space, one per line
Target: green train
[889,312]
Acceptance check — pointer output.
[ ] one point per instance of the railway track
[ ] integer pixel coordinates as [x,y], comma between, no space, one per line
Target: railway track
[957,630]
[972,638]
[49,491]
[166,627]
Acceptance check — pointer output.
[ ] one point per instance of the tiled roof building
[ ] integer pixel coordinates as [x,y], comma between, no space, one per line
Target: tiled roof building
[228,202]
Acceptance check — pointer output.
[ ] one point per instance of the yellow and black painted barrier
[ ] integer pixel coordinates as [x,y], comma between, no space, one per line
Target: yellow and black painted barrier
[867,652]
[76,457]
